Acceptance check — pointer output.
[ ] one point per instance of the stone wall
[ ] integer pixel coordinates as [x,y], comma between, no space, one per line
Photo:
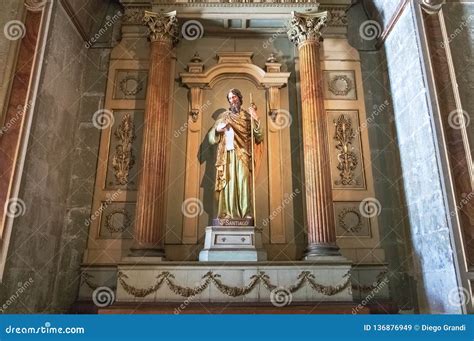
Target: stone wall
[385,157]
[48,242]
[432,255]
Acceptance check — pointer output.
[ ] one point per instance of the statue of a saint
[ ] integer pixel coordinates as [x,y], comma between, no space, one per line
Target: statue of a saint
[233,134]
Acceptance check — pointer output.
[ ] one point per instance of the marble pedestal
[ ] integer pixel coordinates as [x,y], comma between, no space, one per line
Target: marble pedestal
[232,244]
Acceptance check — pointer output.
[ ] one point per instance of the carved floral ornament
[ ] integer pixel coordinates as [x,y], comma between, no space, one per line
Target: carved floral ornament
[307,27]
[210,277]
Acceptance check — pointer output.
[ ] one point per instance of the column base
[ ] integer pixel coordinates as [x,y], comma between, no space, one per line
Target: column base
[323,252]
[232,244]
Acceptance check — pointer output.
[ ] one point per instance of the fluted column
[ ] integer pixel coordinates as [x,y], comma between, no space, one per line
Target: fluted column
[150,209]
[305,32]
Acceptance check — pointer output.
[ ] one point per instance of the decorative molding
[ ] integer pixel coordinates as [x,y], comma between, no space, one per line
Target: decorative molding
[356,227]
[109,224]
[134,15]
[234,63]
[162,26]
[307,27]
[124,159]
[337,15]
[238,3]
[344,135]
[335,81]
[211,277]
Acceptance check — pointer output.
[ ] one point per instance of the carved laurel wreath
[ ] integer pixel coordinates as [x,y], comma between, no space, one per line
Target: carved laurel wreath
[336,90]
[131,92]
[354,228]
[109,224]
[210,277]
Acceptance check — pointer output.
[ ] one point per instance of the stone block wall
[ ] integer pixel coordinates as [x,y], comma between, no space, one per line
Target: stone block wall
[432,254]
[48,241]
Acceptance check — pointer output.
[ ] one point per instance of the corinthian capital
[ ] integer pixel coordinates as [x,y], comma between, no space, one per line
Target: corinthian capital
[307,27]
[162,26]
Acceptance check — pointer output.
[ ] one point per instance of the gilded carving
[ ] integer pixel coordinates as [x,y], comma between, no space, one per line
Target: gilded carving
[110,224]
[307,27]
[354,228]
[124,159]
[340,85]
[344,135]
[210,277]
[162,26]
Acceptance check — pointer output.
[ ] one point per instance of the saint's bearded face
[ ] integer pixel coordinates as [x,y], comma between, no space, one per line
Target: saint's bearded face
[234,102]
